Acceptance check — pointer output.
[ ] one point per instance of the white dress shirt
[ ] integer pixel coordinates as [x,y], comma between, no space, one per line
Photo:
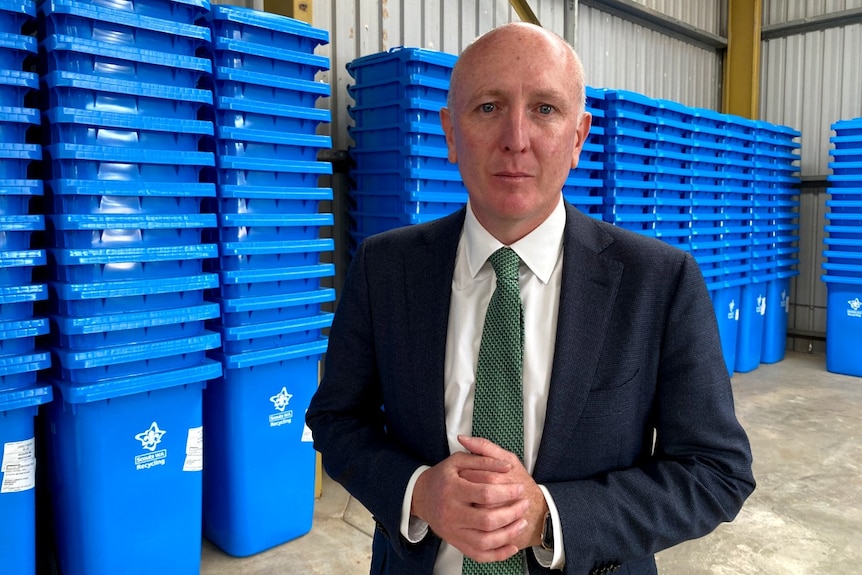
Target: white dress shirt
[472,286]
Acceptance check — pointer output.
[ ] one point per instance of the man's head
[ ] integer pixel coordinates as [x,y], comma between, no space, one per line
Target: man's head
[515,123]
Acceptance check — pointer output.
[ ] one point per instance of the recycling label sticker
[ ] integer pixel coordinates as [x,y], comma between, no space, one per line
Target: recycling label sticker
[18,466]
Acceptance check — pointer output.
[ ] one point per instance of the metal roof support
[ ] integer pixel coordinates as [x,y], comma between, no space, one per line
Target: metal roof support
[741,90]
[299,9]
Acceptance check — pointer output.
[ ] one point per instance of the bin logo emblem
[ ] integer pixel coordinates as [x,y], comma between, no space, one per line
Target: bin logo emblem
[785,301]
[281,399]
[284,416]
[732,312]
[151,437]
[855,308]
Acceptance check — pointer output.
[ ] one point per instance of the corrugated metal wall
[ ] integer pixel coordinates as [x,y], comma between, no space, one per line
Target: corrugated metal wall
[620,54]
[809,81]
[703,14]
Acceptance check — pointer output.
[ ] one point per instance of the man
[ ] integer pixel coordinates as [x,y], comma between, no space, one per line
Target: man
[630,442]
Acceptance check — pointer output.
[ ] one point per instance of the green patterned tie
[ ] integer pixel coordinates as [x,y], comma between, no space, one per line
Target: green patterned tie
[498,407]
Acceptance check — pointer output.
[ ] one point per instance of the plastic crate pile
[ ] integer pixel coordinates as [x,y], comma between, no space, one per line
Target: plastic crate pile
[271,241]
[402,174]
[585,186]
[843,251]
[20,361]
[123,169]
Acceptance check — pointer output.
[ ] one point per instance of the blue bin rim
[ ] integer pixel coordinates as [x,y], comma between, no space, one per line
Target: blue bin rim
[73,187]
[20,258]
[20,151]
[63,79]
[121,387]
[22,222]
[138,287]
[851,124]
[99,222]
[19,78]
[246,276]
[225,73]
[227,103]
[856,281]
[65,115]
[27,7]
[239,191]
[404,54]
[63,42]
[232,249]
[124,18]
[266,20]
[232,133]
[30,327]
[83,152]
[78,325]
[99,256]
[274,165]
[25,363]
[411,150]
[20,187]
[23,293]
[273,355]
[246,304]
[276,220]
[119,354]
[27,397]
[256,330]
[243,47]
[19,115]
[14,41]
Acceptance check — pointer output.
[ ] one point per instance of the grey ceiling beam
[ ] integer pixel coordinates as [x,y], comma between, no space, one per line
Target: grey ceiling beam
[649,18]
[812,24]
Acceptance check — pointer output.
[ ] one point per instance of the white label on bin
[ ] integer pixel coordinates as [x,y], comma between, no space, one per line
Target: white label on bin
[194,450]
[761,304]
[785,301]
[855,308]
[284,416]
[306,434]
[732,312]
[18,466]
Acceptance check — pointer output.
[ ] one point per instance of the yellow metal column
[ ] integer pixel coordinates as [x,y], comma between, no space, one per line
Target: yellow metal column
[741,91]
[525,13]
[299,9]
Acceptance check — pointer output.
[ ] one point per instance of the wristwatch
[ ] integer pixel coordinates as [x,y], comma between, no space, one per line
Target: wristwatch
[548,533]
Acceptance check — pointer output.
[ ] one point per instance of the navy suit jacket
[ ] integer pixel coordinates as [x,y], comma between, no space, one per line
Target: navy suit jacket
[641,447]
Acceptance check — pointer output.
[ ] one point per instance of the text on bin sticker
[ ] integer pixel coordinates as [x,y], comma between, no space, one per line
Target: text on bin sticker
[18,466]
[194,450]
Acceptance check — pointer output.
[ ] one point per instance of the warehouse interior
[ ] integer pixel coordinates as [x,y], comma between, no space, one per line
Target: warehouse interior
[792,68]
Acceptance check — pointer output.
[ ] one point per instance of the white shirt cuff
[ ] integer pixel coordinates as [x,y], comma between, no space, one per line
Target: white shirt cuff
[555,559]
[412,528]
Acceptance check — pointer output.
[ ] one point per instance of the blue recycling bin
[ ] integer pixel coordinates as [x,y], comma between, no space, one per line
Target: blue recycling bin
[18,409]
[259,476]
[775,322]
[125,462]
[843,325]
[725,302]
[752,315]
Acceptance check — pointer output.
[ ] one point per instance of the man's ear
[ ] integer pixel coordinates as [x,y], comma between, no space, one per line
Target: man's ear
[583,132]
[449,130]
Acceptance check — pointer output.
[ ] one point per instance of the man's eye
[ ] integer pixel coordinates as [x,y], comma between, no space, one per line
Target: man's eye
[488,108]
[546,109]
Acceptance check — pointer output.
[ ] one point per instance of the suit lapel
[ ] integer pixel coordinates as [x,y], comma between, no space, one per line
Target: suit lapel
[429,267]
[589,286]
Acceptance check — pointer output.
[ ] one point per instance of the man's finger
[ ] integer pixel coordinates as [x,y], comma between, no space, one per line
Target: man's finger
[486,448]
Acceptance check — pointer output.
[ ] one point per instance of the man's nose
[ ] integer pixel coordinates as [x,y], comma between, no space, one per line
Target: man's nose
[516,136]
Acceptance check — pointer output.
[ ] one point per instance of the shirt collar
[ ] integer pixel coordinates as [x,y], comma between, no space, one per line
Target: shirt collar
[539,249]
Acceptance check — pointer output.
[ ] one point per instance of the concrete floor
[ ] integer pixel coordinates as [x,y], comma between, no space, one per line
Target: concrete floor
[805,518]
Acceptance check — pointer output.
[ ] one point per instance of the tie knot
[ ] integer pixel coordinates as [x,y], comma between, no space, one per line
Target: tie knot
[505,263]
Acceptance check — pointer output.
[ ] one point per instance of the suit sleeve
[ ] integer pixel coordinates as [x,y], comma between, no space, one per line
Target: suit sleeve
[697,472]
[346,415]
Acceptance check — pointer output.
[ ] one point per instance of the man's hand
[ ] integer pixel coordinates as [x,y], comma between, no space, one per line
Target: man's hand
[483,502]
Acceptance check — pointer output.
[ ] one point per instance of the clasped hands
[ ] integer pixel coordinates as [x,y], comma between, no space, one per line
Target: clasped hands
[482,502]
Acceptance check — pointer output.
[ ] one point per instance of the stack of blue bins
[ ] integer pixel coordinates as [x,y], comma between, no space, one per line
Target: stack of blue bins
[126,263]
[260,473]
[843,251]
[776,228]
[401,174]
[20,361]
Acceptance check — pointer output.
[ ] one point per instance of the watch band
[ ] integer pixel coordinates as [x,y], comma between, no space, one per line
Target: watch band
[548,533]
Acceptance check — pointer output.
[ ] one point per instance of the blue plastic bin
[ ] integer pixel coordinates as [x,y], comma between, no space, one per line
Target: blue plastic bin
[265,28]
[18,477]
[775,324]
[257,449]
[843,325]
[129,499]
[752,316]
[280,307]
[16,302]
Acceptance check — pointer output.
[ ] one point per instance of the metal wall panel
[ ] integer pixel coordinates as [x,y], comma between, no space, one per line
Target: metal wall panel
[620,54]
[703,14]
[781,11]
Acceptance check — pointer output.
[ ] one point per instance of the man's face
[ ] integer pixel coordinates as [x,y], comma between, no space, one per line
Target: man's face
[514,128]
